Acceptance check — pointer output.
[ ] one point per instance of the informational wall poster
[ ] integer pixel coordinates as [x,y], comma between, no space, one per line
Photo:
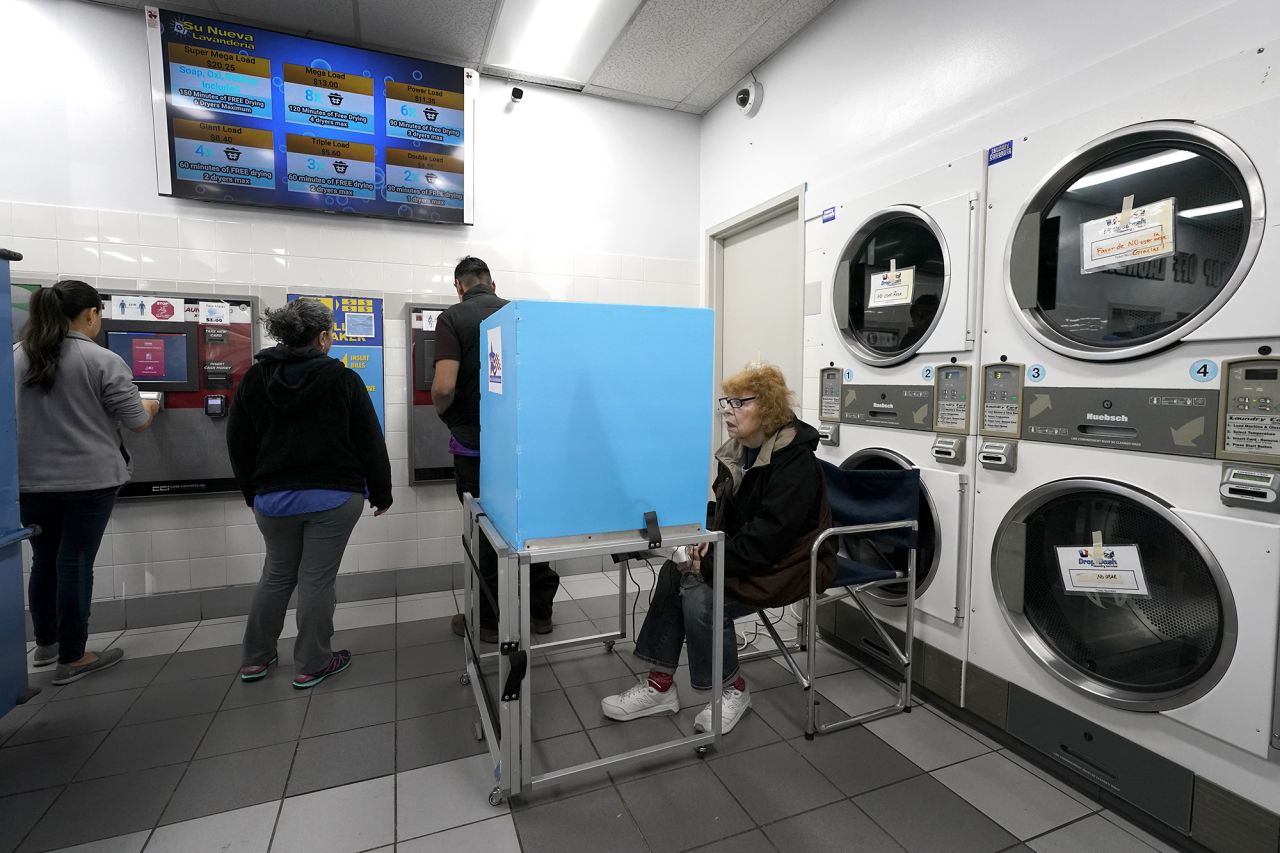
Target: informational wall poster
[1129,236]
[253,116]
[358,341]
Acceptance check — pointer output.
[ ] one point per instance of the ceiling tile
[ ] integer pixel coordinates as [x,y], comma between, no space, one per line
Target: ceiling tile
[673,44]
[630,97]
[451,30]
[762,44]
[331,19]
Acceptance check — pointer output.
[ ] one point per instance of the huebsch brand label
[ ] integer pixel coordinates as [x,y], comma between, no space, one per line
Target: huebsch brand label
[893,406]
[1146,420]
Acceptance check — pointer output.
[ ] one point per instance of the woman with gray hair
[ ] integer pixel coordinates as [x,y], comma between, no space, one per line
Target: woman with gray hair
[306,449]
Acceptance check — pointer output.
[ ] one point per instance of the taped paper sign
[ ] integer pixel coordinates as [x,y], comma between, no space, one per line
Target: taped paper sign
[892,287]
[215,313]
[426,320]
[1116,569]
[1129,236]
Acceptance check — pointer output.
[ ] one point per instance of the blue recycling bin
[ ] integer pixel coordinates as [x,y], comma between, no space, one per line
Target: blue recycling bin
[592,415]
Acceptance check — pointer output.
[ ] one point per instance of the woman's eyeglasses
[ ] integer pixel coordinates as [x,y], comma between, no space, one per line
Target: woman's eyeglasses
[734,402]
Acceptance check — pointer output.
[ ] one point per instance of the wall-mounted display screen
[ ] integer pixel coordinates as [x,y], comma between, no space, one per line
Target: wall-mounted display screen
[152,357]
[252,116]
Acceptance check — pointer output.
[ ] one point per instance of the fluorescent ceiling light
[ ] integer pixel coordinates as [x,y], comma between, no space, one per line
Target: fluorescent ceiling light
[1212,209]
[557,39]
[1146,164]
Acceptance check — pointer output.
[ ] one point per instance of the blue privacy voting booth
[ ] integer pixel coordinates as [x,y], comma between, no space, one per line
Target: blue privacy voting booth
[592,415]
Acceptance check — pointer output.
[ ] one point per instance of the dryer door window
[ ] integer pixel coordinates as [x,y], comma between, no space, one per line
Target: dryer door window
[867,551]
[1143,652]
[891,284]
[1083,278]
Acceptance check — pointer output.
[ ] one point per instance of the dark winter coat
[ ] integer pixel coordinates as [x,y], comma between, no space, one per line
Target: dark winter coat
[771,514]
[303,420]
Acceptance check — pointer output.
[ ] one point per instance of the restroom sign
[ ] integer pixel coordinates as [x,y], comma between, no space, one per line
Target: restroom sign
[892,288]
[1115,569]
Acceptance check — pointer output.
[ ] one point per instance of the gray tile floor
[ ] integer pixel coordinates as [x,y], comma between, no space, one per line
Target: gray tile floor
[169,752]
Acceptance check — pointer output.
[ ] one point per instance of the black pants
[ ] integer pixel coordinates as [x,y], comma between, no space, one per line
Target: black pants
[543,581]
[61,586]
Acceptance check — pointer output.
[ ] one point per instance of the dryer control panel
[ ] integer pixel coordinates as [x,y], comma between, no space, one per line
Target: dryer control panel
[1249,413]
[829,394]
[951,393]
[1001,400]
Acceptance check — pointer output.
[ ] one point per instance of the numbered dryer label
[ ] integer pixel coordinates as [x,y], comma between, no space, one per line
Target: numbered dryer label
[1115,569]
[1204,370]
[1036,373]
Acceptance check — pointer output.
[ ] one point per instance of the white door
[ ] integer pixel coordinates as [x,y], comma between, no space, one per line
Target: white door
[763,298]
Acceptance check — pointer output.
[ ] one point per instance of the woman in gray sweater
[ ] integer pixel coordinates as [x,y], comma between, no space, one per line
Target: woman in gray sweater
[72,396]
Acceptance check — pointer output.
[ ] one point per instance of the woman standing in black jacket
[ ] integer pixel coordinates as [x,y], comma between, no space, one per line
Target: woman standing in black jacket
[306,448]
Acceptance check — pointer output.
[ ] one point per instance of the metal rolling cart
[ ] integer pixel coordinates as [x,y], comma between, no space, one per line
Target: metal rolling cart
[506,712]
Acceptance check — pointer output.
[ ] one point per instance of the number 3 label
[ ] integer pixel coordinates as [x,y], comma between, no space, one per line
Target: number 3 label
[1204,370]
[1036,373]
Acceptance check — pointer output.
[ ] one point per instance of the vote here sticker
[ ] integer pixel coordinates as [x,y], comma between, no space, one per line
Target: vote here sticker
[423,177]
[223,154]
[424,114]
[201,78]
[330,166]
[322,98]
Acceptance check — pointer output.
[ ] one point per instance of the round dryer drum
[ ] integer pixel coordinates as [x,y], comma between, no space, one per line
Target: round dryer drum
[886,555]
[1141,652]
[891,285]
[1096,280]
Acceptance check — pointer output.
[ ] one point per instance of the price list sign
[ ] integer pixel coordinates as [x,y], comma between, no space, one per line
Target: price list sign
[245,115]
[330,166]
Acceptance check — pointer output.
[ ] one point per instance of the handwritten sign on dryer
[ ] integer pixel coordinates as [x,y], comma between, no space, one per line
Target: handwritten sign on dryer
[1132,235]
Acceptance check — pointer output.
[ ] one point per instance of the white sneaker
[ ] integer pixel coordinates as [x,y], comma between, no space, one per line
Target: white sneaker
[640,701]
[736,703]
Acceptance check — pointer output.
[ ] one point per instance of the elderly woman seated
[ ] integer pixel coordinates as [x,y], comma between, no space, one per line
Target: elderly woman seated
[771,504]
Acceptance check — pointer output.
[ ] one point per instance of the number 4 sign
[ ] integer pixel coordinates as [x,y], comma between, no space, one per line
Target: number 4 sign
[1204,370]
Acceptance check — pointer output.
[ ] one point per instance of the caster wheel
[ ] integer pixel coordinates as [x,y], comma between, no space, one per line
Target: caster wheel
[478,729]
[464,679]
[608,645]
[495,797]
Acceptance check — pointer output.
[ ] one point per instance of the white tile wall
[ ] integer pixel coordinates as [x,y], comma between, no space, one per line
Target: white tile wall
[202,543]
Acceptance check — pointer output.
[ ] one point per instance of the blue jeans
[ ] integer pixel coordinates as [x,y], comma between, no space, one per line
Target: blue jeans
[61,586]
[681,609]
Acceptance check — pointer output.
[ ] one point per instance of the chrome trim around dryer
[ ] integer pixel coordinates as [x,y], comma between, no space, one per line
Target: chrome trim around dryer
[1062,175]
[868,226]
[923,577]
[1073,676]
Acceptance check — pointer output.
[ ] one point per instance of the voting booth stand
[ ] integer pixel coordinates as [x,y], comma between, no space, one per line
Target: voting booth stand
[596,442]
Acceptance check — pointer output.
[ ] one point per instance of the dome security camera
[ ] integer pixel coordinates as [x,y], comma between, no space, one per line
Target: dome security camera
[748,98]
[516,94]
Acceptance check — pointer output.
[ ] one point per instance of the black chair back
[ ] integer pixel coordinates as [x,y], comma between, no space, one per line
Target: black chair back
[873,497]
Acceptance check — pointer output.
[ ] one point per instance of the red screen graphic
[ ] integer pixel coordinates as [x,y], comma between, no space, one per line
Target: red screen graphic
[148,357]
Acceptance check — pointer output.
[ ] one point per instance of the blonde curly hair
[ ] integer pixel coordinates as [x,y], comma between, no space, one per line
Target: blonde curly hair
[766,383]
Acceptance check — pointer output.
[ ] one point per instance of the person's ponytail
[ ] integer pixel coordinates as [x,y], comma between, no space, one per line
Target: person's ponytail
[51,310]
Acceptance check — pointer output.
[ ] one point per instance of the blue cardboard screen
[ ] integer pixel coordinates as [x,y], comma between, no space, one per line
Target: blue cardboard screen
[592,415]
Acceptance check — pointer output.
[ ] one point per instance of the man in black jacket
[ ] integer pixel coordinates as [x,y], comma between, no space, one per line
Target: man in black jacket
[456,393]
[306,449]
